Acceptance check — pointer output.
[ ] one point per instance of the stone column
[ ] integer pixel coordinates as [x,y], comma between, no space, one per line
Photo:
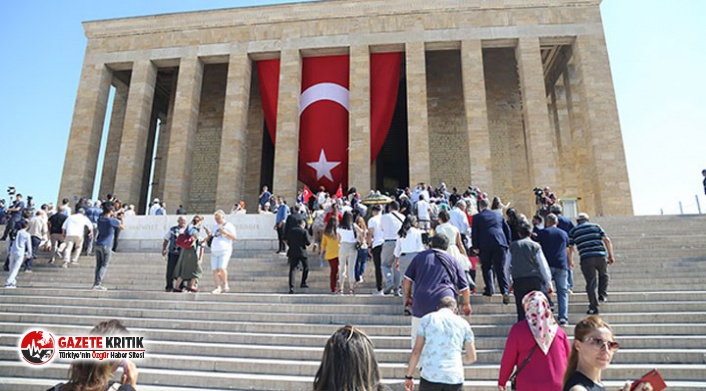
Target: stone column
[600,116]
[359,119]
[83,148]
[541,149]
[287,138]
[568,146]
[177,179]
[231,169]
[417,114]
[256,128]
[162,156]
[476,115]
[129,176]
[115,135]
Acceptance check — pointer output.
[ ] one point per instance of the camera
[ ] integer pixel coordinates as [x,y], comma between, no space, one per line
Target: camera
[11,190]
[538,195]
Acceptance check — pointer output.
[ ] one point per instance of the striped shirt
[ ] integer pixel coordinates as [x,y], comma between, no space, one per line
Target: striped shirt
[588,238]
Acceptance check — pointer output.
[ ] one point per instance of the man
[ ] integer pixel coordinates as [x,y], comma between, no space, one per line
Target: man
[298,240]
[107,224]
[490,240]
[435,275]
[444,334]
[72,231]
[264,197]
[16,211]
[565,224]
[172,251]
[180,210]
[703,172]
[390,225]
[555,246]
[19,249]
[375,242]
[37,231]
[154,207]
[56,236]
[423,213]
[459,219]
[93,213]
[593,246]
[280,219]
[405,205]
[65,207]
[162,210]
[526,266]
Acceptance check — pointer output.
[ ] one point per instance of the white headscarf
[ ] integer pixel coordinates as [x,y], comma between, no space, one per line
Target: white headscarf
[540,319]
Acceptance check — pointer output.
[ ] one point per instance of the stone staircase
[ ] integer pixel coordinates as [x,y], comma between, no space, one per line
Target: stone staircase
[258,337]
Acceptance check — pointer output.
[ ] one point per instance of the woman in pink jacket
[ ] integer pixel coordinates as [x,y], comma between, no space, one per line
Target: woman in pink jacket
[537,347]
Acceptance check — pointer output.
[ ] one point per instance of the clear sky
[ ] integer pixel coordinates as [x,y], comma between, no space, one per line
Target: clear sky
[656,50]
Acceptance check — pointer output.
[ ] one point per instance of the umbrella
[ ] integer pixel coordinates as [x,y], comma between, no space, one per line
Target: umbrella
[376,199]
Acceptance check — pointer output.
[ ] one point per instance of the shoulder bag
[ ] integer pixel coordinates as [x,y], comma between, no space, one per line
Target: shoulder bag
[513,377]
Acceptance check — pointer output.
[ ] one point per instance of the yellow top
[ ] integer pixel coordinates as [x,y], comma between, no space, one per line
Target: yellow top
[330,246]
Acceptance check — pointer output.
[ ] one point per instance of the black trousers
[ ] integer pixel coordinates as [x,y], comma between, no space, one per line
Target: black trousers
[492,261]
[377,259]
[590,267]
[171,264]
[523,286]
[425,385]
[293,263]
[280,237]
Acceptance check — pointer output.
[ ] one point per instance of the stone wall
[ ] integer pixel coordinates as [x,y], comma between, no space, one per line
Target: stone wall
[448,134]
[207,143]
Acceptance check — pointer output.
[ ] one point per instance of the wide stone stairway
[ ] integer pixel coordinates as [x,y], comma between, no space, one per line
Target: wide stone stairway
[258,337]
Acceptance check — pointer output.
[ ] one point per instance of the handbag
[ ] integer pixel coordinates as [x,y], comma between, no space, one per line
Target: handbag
[185,241]
[513,377]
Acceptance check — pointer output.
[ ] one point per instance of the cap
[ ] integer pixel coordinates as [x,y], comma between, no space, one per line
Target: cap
[156,200]
[583,216]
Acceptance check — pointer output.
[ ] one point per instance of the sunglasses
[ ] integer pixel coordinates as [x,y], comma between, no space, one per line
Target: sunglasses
[599,343]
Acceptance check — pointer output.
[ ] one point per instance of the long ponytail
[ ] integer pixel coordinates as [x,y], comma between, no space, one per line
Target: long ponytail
[582,329]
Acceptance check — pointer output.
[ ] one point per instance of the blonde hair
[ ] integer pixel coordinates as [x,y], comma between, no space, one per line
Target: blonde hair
[582,329]
[221,213]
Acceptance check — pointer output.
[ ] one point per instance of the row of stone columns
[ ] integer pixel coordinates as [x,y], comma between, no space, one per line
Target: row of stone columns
[592,118]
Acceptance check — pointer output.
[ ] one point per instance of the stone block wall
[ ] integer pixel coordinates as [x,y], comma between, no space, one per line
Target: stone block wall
[448,135]
[207,143]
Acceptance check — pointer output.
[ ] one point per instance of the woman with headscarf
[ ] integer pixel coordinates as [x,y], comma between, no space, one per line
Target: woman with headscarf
[188,266]
[537,347]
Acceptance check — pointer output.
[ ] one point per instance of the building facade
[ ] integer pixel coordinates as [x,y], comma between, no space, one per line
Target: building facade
[505,95]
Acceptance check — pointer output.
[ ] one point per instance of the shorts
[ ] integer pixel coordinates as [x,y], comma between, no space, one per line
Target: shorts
[219,259]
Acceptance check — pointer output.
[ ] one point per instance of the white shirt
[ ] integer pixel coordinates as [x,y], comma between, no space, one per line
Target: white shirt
[375,224]
[391,224]
[221,243]
[423,211]
[154,208]
[74,225]
[347,235]
[460,221]
[129,212]
[412,243]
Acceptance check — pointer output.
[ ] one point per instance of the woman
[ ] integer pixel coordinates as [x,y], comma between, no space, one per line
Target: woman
[188,266]
[329,250]
[456,248]
[591,353]
[362,258]
[409,243]
[349,236]
[222,236]
[318,226]
[513,221]
[348,363]
[97,375]
[497,206]
[538,345]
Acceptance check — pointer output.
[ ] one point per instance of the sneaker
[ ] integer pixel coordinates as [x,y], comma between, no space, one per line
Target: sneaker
[226,288]
[379,293]
[487,294]
[99,288]
[570,291]
[74,262]
[304,286]
[291,291]
[51,261]
[28,271]
[65,265]
[386,291]
[217,291]
[563,322]
[603,298]
[592,312]
[398,293]
[506,299]
[407,311]
[10,286]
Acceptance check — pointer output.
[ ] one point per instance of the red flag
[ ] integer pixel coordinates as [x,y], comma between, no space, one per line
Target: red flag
[339,193]
[306,194]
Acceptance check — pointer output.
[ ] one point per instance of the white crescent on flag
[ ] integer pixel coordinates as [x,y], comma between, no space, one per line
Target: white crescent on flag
[324,91]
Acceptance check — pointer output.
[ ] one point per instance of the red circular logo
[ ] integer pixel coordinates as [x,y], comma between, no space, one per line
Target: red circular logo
[37,347]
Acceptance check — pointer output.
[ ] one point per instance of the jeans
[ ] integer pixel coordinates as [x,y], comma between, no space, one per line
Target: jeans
[333,276]
[35,247]
[492,261]
[15,263]
[360,262]
[91,242]
[377,255]
[570,280]
[389,270]
[293,263]
[589,268]
[347,255]
[102,261]
[560,277]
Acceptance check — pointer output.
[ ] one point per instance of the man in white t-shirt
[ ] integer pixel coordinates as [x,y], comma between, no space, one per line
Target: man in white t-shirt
[375,242]
[154,208]
[423,216]
[73,230]
[390,225]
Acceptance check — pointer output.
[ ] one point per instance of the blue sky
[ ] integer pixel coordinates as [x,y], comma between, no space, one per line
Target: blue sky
[656,50]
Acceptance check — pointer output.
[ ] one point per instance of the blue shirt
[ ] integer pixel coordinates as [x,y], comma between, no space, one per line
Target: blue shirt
[282,213]
[564,224]
[588,238]
[265,199]
[431,281]
[554,242]
[22,244]
[445,334]
[17,215]
[93,213]
[106,230]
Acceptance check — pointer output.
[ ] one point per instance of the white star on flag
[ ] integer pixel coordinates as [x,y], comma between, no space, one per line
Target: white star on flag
[323,167]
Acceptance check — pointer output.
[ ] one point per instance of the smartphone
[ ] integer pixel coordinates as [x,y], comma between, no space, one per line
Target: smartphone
[654,378]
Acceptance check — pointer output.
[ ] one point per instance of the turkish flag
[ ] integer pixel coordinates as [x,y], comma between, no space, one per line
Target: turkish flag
[323,126]
[306,194]
[339,193]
